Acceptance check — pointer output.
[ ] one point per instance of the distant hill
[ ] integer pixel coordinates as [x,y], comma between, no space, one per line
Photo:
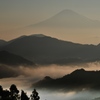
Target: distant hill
[12,59]
[43,49]
[78,80]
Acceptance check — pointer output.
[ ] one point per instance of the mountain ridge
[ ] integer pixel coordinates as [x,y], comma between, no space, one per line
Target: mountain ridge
[48,50]
[78,80]
[65,26]
[68,18]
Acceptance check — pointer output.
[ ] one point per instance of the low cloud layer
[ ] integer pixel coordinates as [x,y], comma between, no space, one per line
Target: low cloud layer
[33,74]
[39,72]
[25,76]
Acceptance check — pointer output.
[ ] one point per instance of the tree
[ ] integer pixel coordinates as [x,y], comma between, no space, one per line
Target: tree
[14,92]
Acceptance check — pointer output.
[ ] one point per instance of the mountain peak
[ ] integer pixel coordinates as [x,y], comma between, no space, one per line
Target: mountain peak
[38,35]
[70,16]
[47,78]
[67,11]
[68,19]
[79,71]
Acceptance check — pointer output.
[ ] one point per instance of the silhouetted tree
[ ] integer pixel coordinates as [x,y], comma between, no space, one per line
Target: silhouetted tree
[34,95]
[1,91]
[24,96]
[4,94]
[14,92]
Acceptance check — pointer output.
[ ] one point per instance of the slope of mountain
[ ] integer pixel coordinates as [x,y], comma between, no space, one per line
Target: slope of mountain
[12,59]
[96,98]
[78,80]
[68,19]
[2,42]
[65,25]
[47,50]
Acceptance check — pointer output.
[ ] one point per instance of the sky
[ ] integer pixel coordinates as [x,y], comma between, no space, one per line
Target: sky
[15,14]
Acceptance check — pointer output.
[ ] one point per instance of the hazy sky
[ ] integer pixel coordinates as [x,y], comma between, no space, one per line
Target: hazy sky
[19,13]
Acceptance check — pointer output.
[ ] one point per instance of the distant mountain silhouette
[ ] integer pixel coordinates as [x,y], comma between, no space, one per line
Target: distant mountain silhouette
[12,59]
[96,98]
[65,25]
[47,50]
[68,19]
[78,80]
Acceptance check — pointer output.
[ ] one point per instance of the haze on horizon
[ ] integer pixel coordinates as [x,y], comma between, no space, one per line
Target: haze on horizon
[18,14]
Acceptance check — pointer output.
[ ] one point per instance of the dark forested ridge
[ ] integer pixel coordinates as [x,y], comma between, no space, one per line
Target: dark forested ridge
[47,50]
[78,80]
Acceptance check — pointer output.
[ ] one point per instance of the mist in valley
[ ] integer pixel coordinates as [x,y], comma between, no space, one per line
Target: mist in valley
[25,76]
